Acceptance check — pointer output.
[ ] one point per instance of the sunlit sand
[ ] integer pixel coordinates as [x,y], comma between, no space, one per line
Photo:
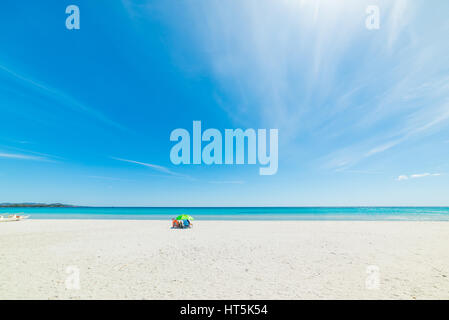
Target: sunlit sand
[130,259]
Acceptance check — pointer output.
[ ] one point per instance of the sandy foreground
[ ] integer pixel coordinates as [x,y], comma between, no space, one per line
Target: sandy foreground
[40,259]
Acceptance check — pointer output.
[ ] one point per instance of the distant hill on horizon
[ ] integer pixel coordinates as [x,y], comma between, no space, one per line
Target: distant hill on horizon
[36,205]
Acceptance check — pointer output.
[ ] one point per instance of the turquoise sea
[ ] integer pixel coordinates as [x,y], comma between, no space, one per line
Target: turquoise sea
[242,213]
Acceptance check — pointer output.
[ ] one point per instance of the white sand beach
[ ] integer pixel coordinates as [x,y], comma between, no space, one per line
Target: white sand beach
[131,259]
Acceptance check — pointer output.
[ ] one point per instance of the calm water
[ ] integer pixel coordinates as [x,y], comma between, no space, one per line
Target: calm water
[286,213]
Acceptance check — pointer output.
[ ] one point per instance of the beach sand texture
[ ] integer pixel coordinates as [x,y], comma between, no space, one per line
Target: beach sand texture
[129,259]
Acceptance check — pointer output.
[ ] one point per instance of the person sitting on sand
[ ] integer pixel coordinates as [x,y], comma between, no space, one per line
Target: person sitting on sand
[177,223]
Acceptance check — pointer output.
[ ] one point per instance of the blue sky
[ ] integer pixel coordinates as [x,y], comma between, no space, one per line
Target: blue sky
[363,115]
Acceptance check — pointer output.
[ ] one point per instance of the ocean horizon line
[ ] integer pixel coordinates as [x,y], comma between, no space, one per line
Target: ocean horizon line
[233,207]
[237,213]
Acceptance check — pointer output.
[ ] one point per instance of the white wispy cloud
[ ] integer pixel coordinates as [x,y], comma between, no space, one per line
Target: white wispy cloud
[312,70]
[417,175]
[22,156]
[46,156]
[154,167]
[63,98]
[421,175]
[398,19]
[382,147]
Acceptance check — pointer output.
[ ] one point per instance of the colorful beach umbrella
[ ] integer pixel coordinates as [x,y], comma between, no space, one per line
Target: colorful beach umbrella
[184,217]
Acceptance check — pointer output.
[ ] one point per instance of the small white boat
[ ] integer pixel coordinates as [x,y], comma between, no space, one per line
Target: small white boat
[13,217]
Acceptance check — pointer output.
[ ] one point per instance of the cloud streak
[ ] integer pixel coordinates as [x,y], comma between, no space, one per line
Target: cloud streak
[22,156]
[61,97]
[312,70]
[416,176]
[154,167]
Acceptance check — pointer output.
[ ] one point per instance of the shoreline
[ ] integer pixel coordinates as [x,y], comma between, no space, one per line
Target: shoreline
[146,259]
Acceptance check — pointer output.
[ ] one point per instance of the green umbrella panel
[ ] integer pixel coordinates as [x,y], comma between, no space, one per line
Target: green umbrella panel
[184,217]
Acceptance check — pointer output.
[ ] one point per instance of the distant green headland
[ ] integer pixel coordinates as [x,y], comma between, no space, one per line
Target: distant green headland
[35,205]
